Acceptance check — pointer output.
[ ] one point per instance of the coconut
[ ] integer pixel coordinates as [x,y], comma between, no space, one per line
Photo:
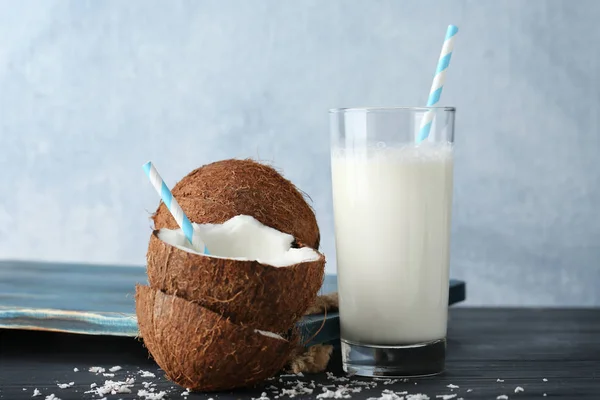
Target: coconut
[201,350]
[254,274]
[219,191]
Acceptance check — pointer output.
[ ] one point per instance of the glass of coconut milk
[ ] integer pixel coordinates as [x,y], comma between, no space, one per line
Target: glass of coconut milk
[392,200]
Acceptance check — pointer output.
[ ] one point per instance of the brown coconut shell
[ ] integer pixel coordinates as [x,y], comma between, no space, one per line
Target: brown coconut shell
[200,350]
[217,192]
[250,293]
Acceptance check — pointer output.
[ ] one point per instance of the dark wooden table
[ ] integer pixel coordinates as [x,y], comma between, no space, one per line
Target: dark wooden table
[491,352]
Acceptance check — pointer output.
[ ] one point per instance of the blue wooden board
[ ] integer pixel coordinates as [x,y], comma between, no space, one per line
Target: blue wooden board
[99,299]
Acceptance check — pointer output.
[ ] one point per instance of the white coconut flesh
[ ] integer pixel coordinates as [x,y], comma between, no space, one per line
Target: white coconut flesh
[269,334]
[241,238]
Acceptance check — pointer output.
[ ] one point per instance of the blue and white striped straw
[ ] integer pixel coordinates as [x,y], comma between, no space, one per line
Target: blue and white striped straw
[438,82]
[172,204]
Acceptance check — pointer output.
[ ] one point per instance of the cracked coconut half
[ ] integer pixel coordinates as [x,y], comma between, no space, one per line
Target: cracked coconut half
[201,350]
[255,275]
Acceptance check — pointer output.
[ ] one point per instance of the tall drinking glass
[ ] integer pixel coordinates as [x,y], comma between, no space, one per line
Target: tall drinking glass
[392,199]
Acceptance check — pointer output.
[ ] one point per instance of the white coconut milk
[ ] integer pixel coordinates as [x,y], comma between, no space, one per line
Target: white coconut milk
[392,225]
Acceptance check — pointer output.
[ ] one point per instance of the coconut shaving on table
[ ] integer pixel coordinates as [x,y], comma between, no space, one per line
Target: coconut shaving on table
[279,387]
[149,385]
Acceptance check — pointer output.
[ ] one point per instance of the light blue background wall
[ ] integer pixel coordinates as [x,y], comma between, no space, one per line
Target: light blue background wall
[90,90]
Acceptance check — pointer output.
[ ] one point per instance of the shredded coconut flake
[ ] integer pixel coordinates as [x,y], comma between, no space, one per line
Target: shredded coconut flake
[115,368]
[36,392]
[108,375]
[446,396]
[502,397]
[75,369]
[545,380]
[327,394]
[451,386]
[334,378]
[519,389]
[65,385]
[151,396]
[112,387]
[418,396]
[499,380]
[389,395]
[52,397]
[289,392]
[97,370]
[147,374]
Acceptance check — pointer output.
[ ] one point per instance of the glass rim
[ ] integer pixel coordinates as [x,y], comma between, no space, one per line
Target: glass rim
[391,108]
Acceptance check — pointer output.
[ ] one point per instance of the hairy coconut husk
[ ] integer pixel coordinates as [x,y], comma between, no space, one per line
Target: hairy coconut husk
[200,350]
[323,304]
[312,360]
[216,192]
[248,292]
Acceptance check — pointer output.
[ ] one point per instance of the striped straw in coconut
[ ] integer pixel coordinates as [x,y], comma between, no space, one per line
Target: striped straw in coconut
[172,204]
[438,82]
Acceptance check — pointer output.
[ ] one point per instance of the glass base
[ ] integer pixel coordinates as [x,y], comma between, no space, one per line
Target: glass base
[422,359]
